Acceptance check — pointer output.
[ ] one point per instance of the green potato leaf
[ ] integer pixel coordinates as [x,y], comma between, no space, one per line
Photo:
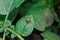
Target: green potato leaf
[25,26]
[50,35]
[38,11]
[7,6]
[7,23]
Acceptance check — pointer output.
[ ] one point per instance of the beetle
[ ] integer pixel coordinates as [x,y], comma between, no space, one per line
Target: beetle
[28,20]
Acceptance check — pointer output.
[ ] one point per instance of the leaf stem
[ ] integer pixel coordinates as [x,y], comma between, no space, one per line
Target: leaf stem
[4,36]
[6,17]
[18,35]
[3,25]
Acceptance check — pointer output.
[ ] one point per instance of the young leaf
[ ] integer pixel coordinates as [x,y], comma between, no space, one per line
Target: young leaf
[50,35]
[1,30]
[7,23]
[6,33]
[25,25]
[12,27]
[13,35]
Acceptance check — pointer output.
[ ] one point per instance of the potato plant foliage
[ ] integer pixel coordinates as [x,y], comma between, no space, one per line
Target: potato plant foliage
[36,14]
